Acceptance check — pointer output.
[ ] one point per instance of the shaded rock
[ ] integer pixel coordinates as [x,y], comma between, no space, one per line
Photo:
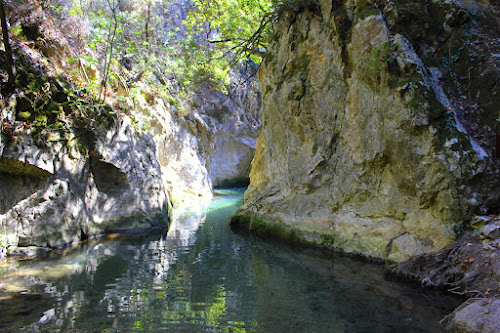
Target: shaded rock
[116,185]
[488,227]
[235,121]
[479,316]
[470,267]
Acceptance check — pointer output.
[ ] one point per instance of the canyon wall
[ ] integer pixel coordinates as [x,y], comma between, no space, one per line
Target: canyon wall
[371,140]
[209,142]
[72,167]
[56,191]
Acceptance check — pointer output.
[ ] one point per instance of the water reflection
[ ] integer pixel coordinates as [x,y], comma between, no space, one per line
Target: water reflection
[202,277]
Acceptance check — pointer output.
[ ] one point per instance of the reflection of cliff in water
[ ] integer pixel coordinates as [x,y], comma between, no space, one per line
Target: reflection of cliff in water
[309,292]
[201,276]
[181,234]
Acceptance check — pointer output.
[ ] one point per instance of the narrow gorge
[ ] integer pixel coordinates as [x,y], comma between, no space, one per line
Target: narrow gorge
[373,133]
[70,171]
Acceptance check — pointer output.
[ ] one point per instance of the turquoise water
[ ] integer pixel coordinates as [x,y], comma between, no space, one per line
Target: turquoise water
[202,277]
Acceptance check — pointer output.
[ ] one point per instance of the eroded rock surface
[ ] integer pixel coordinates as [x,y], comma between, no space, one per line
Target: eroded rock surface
[479,316]
[469,267]
[363,148]
[235,123]
[56,192]
[205,145]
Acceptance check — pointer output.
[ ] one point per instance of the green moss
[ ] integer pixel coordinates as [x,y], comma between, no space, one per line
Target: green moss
[45,102]
[328,240]
[365,9]
[40,121]
[25,115]
[264,226]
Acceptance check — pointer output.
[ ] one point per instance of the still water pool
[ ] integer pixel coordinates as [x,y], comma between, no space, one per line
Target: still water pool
[202,277]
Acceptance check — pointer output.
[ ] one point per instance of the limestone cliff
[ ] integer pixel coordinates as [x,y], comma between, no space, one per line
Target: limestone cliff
[209,142]
[367,117]
[235,122]
[56,190]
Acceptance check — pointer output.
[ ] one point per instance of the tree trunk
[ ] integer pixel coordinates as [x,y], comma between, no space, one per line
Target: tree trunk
[11,71]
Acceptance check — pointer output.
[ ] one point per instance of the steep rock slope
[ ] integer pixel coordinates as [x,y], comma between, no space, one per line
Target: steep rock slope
[365,145]
[234,119]
[209,142]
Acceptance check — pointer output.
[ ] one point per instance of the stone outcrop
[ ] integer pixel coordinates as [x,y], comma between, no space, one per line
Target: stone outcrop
[205,145]
[181,148]
[479,316]
[366,144]
[56,191]
[469,267]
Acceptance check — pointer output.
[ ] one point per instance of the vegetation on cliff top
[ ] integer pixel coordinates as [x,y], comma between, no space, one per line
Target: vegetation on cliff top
[109,45]
[105,51]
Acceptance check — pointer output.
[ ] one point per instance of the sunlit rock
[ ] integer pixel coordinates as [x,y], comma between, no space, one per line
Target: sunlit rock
[363,148]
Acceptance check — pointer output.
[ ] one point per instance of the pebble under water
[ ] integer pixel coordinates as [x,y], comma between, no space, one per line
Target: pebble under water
[202,277]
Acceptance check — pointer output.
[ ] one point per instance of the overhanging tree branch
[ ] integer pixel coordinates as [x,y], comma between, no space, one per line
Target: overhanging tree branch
[11,70]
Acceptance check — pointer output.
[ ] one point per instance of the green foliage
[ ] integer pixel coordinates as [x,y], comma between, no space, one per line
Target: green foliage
[241,25]
[127,41]
[377,62]
[456,229]
[328,240]
[230,31]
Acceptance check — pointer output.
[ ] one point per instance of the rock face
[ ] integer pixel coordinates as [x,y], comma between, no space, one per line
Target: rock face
[181,149]
[204,146]
[480,316]
[54,192]
[364,146]
[470,267]
[234,119]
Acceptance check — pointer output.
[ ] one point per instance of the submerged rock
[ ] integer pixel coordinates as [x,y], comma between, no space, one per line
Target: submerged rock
[365,147]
